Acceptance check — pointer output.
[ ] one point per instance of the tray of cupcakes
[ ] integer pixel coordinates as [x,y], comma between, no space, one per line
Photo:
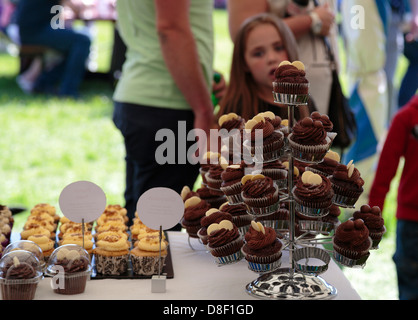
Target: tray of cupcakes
[110,248]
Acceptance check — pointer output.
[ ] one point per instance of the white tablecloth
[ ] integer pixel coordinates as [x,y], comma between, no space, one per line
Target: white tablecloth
[196,277]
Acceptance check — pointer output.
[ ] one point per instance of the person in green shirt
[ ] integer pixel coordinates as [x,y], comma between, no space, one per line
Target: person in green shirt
[166,84]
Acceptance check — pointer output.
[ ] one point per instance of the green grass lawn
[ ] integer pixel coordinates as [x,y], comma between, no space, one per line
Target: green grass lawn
[47,143]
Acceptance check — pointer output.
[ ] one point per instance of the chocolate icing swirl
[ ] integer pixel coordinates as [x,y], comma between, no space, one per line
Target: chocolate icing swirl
[215,172]
[73,266]
[352,235]
[258,188]
[290,74]
[21,271]
[257,240]
[309,132]
[222,236]
[196,212]
[215,217]
[267,128]
[232,175]
[235,210]
[236,123]
[341,173]
[314,192]
[372,217]
[326,121]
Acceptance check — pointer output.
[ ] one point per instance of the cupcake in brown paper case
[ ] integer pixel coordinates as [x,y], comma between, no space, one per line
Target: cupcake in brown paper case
[347,185]
[352,241]
[290,79]
[261,140]
[327,166]
[224,242]
[231,182]
[313,194]
[372,217]
[260,194]
[211,216]
[194,210]
[240,216]
[309,141]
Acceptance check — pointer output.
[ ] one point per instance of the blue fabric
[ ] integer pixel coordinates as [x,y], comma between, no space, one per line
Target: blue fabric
[406,259]
[409,83]
[366,142]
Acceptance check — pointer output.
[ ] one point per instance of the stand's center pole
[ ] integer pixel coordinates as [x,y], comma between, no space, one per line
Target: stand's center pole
[291,112]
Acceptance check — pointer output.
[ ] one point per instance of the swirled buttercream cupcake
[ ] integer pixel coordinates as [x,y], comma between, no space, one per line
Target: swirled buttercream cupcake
[260,194]
[231,182]
[327,166]
[352,242]
[214,177]
[372,217]
[111,255]
[224,242]
[277,171]
[262,248]
[213,215]
[309,141]
[313,194]
[290,78]
[347,185]
[261,139]
[194,210]
[145,256]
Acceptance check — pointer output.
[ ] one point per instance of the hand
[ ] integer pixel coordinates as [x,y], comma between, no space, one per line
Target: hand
[203,122]
[327,17]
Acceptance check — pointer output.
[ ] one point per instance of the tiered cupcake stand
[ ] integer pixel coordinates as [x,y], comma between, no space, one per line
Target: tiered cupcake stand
[299,280]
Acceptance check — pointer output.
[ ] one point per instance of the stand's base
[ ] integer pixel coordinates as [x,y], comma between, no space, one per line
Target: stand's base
[285,284]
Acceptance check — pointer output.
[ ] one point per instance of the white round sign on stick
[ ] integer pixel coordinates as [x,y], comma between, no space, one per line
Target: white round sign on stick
[82,201]
[160,208]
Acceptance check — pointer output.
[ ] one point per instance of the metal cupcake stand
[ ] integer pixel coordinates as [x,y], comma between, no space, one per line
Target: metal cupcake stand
[308,259]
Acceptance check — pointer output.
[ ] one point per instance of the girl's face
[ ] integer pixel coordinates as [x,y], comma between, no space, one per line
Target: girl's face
[263,53]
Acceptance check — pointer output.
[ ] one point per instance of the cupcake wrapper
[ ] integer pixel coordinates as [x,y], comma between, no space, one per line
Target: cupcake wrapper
[276,224]
[301,258]
[260,267]
[313,210]
[243,230]
[213,183]
[290,93]
[19,289]
[227,253]
[266,152]
[350,258]
[111,265]
[344,198]
[147,265]
[73,283]
[243,220]
[264,205]
[309,153]
[203,175]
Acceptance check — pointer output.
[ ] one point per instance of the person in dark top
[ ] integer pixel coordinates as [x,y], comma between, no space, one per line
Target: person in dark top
[39,25]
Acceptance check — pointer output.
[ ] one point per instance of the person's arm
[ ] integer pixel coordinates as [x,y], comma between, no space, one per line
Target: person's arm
[240,10]
[180,54]
[392,151]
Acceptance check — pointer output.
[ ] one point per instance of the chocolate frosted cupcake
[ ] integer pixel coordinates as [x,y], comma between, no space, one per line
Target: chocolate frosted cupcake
[290,79]
[309,141]
[351,243]
[326,122]
[260,194]
[20,273]
[224,242]
[278,220]
[347,185]
[261,140]
[313,194]
[208,160]
[240,216]
[194,210]
[211,216]
[372,217]
[213,177]
[327,166]
[231,126]
[262,248]
[72,265]
[214,200]
[277,171]
[334,212]
[186,193]
[231,182]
